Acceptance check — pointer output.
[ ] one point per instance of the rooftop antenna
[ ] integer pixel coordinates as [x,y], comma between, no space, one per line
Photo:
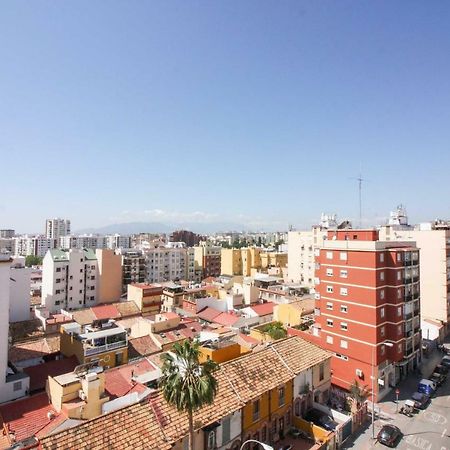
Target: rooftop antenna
[360,180]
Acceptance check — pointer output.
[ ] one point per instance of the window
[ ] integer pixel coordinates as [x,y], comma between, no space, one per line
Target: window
[382,312]
[81,270]
[330,289]
[344,344]
[382,276]
[344,291]
[329,255]
[226,430]
[344,326]
[382,294]
[344,309]
[58,269]
[399,348]
[399,293]
[329,339]
[281,396]
[58,280]
[211,439]
[399,329]
[383,349]
[381,257]
[17,386]
[329,305]
[399,257]
[256,411]
[343,256]
[382,331]
[399,275]
[329,272]
[321,371]
[343,357]
[344,274]
[330,322]
[57,291]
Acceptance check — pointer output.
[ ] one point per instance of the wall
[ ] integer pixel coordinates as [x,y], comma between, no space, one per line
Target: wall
[248,424]
[19,303]
[235,430]
[4,323]
[221,354]
[110,276]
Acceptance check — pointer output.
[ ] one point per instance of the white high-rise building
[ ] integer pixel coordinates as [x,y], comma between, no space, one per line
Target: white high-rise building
[302,246]
[166,263]
[55,228]
[12,385]
[92,241]
[69,279]
[114,241]
[33,245]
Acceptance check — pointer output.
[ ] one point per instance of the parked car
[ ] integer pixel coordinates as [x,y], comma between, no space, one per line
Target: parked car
[438,378]
[420,400]
[389,435]
[321,419]
[445,361]
[441,369]
[426,387]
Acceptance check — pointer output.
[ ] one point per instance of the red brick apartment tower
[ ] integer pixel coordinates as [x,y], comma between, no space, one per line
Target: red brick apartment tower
[368,308]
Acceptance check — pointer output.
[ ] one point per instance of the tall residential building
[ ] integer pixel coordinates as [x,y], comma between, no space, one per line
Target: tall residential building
[188,237]
[194,272]
[114,241]
[109,276]
[69,279]
[433,240]
[20,286]
[7,234]
[166,263]
[368,307]
[207,257]
[92,241]
[33,245]
[134,268]
[55,228]
[7,245]
[12,385]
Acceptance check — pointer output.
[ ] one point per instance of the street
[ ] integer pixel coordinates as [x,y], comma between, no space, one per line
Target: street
[427,430]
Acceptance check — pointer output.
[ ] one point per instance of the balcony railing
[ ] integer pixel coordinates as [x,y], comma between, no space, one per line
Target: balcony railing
[408,316]
[408,297]
[104,348]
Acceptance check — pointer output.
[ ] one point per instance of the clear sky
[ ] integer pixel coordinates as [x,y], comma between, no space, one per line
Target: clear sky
[255,112]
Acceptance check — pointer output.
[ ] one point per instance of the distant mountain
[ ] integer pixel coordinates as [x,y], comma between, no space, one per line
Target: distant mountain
[155,227]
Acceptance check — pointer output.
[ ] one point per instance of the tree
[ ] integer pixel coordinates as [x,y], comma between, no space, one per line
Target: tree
[32,260]
[187,384]
[359,393]
[275,330]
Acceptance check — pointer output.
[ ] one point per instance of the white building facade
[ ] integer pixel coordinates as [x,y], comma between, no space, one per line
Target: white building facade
[69,279]
[33,245]
[55,228]
[166,263]
[20,286]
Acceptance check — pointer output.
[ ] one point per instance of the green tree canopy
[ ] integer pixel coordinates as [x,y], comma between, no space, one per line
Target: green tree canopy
[187,384]
[32,260]
[275,330]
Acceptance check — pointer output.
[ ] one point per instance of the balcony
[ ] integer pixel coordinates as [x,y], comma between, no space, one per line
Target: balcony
[408,262]
[408,351]
[408,297]
[408,316]
[104,348]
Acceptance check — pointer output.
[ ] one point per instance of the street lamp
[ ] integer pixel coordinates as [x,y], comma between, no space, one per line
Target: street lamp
[387,344]
[264,446]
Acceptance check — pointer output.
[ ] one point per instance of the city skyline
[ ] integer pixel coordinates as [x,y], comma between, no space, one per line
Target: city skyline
[255,113]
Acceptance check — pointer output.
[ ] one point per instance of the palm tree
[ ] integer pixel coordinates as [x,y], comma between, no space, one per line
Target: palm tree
[187,384]
[359,393]
[275,330]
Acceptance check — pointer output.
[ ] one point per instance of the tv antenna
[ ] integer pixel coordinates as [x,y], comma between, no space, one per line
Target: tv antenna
[360,180]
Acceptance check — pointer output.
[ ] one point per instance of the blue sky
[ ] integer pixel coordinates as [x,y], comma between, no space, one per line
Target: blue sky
[255,112]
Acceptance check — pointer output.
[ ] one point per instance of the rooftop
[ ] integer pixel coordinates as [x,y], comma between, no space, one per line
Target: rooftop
[263,309]
[36,348]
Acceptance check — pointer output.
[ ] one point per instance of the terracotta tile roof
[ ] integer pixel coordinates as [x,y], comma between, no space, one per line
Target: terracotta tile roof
[155,424]
[170,315]
[208,314]
[26,417]
[83,316]
[226,319]
[36,348]
[58,318]
[119,382]
[133,427]
[263,309]
[39,374]
[141,346]
[127,309]
[105,312]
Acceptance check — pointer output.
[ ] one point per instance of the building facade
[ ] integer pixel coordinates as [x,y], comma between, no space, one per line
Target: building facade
[69,279]
[368,308]
[33,245]
[7,234]
[167,263]
[109,287]
[207,258]
[134,266]
[55,228]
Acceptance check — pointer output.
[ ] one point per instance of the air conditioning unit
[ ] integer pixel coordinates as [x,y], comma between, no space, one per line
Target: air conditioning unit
[82,394]
[359,373]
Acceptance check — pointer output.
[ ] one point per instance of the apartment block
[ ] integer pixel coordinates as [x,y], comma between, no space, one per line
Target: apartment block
[115,241]
[433,241]
[188,237]
[147,297]
[134,266]
[109,287]
[33,245]
[69,279]
[7,234]
[368,307]
[248,260]
[19,287]
[166,263]
[207,258]
[55,228]
[194,272]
